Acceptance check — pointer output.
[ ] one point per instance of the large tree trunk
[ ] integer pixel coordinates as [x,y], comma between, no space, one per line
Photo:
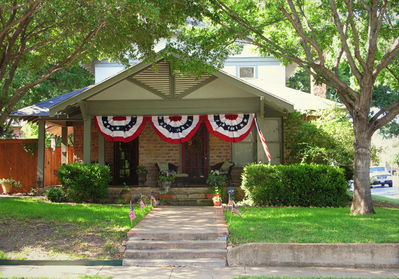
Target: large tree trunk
[362,203]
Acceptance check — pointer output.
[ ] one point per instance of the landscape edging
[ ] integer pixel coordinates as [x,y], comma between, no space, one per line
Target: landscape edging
[315,254]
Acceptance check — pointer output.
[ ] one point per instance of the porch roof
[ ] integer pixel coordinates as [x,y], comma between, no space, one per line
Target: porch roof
[160,92]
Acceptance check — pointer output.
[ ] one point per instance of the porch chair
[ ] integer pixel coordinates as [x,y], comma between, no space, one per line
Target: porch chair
[164,167]
[224,168]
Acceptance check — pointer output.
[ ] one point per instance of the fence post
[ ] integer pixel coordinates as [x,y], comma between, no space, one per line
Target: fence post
[40,153]
[64,145]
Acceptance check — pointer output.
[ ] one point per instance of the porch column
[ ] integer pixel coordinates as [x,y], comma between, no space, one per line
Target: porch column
[101,155]
[40,153]
[87,140]
[64,145]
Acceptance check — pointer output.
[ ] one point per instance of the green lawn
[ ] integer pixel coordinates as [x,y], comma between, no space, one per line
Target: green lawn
[263,277]
[312,225]
[32,228]
[108,217]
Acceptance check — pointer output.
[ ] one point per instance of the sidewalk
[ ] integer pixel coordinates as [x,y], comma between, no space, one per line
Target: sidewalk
[190,272]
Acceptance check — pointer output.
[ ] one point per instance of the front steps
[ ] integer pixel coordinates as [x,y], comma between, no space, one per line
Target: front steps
[189,196]
[178,241]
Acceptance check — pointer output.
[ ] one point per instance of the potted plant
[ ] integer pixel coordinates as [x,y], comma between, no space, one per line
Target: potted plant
[217,201]
[217,181]
[8,183]
[142,174]
[125,194]
[165,181]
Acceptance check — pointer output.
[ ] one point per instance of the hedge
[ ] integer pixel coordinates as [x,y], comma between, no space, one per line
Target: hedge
[295,185]
[85,182]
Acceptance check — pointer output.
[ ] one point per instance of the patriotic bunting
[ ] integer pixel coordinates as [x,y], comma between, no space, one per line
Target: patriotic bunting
[179,128]
[176,129]
[120,128]
[230,127]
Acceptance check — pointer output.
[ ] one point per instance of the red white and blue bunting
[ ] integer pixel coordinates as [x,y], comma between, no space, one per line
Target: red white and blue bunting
[176,129]
[230,127]
[120,128]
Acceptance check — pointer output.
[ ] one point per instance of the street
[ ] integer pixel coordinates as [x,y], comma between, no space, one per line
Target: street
[387,192]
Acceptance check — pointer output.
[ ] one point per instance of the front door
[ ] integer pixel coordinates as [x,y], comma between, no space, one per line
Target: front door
[195,157]
[125,162]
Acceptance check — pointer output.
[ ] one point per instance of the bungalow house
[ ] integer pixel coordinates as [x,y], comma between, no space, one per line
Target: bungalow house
[145,114]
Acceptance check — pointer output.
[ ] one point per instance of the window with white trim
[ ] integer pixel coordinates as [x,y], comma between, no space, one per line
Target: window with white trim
[246,72]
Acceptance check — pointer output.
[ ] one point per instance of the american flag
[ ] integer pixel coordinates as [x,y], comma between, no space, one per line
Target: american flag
[142,204]
[263,140]
[132,214]
[235,210]
[154,201]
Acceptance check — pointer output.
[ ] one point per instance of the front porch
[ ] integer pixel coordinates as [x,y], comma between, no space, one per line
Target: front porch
[146,92]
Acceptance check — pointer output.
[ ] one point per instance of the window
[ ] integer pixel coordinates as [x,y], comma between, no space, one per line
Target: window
[247,72]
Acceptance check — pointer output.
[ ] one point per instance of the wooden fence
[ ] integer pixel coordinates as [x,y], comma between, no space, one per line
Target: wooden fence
[17,163]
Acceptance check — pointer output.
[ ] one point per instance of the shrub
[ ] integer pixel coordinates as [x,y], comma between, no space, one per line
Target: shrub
[55,194]
[295,185]
[85,182]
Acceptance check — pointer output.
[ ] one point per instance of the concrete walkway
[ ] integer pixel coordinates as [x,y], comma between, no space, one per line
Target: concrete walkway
[190,272]
[178,236]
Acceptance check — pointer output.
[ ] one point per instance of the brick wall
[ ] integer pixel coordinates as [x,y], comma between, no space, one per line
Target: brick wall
[151,150]
[219,150]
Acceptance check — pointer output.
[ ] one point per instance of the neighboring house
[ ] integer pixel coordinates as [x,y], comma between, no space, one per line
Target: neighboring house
[248,85]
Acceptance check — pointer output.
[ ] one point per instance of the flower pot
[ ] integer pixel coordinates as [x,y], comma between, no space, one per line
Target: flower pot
[142,177]
[217,203]
[6,187]
[165,185]
[127,196]
[210,196]
[165,196]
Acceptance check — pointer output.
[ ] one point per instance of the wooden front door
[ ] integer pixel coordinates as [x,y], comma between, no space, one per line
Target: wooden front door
[125,162]
[195,157]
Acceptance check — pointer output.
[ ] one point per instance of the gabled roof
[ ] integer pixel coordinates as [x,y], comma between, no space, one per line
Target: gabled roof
[135,72]
[42,108]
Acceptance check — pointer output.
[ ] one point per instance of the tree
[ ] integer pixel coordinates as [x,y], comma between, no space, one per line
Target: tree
[319,36]
[38,33]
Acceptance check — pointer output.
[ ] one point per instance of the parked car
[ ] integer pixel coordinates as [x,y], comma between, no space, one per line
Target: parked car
[380,175]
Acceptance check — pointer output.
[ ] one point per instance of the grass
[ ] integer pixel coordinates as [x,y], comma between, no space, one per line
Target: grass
[384,199]
[90,231]
[312,225]
[263,277]
[109,217]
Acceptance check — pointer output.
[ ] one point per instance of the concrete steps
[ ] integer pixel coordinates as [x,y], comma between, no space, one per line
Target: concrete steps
[208,262]
[178,244]
[166,237]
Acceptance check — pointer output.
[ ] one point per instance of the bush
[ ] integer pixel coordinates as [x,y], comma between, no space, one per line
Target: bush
[55,194]
[85,182]
[295,185]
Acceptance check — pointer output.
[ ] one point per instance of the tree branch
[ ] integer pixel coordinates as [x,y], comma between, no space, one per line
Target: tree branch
[387,58]
[345,47]
[390,112]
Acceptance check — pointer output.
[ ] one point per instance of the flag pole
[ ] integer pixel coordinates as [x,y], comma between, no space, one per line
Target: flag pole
[131,223]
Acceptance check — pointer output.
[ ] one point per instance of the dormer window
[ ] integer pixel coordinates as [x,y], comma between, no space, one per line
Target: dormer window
[246,72]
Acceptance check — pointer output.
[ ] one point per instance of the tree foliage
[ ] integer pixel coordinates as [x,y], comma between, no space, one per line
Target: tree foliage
[321,37]
[38,33]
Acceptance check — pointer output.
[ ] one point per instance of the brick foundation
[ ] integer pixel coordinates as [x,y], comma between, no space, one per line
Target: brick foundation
[152,149]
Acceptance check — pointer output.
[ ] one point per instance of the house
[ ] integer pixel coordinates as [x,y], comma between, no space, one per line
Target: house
[169,117]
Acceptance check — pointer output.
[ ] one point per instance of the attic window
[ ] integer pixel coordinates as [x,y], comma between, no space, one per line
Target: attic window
[247,72]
